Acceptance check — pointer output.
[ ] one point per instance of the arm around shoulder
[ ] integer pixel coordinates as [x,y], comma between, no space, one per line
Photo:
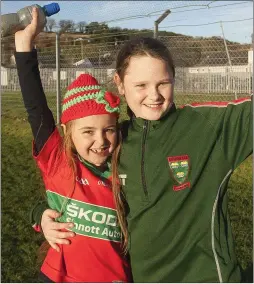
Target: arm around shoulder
[36,214]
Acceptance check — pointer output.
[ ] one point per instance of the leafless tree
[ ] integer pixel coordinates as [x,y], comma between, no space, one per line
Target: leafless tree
[67,23]
[51,24]
[81,26]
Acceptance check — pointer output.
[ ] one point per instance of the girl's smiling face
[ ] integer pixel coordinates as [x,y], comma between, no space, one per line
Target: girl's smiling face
[95,137]
[148,86]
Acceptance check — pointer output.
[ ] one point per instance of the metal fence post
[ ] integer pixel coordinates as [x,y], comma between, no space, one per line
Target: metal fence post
[209,80]
[229,60]
[250,79]
[155,32]
[58,92]
[159,20]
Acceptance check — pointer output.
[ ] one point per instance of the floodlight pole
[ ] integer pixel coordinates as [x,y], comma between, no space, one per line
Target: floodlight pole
[158,21]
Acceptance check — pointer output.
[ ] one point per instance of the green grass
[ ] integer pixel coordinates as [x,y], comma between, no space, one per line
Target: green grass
[22,187]
[240,191]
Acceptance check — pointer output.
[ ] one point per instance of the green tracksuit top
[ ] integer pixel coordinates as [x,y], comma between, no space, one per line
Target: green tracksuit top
[174,173]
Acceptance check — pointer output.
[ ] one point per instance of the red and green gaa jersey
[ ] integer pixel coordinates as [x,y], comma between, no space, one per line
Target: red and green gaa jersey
[95,253]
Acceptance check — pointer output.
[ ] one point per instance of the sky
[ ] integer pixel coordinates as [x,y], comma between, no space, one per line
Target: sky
[186,17]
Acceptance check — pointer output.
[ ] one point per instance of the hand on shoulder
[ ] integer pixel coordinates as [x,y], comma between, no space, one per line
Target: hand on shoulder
[52,230]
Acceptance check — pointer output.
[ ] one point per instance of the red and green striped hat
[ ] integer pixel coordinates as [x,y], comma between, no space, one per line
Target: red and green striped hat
[85,97]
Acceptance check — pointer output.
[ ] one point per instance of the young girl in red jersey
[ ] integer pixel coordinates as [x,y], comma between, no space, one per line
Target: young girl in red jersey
[76,170]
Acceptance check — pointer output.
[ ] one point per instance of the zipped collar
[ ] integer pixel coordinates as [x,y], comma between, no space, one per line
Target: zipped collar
[105,174]
[138,122]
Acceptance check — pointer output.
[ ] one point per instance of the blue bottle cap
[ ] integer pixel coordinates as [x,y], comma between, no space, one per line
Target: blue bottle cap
[51,9]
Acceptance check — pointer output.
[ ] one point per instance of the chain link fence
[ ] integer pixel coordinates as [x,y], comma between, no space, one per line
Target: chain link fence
[204,69]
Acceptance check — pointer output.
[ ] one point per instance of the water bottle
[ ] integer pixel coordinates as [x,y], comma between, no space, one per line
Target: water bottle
[11,23]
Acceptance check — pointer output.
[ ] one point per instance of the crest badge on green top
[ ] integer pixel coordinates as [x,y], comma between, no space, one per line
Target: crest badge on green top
[179,167]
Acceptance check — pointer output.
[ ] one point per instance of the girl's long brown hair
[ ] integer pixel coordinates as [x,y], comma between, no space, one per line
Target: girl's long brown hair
[66,147]
[69,149]
[119,195]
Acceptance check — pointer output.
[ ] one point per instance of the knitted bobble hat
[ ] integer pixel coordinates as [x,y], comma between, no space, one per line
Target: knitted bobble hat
[85,97]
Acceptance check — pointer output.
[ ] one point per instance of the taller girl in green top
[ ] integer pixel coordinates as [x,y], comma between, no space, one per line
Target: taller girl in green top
[174,168]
